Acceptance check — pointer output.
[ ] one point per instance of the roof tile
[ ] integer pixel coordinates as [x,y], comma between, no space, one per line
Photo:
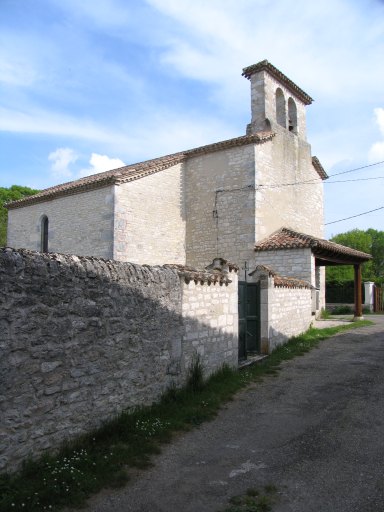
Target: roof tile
[286,238]
[136,171]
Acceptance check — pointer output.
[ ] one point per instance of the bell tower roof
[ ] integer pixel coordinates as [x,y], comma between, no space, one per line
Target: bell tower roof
[264,65]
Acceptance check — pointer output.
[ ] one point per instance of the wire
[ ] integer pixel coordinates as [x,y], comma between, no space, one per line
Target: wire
[319,180]
[357,169]
[311,182]
[357,179]
[353,216]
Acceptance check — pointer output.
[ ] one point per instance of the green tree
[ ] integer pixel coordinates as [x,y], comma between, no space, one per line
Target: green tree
[12,193]
[370,241]
[377,251]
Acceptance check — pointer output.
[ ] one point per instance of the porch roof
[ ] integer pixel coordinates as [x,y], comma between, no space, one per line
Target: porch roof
[326,252]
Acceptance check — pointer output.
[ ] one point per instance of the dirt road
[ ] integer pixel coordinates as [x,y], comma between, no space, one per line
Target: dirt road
[316,432]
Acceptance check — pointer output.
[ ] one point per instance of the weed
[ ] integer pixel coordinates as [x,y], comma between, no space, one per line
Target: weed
[325,314]
[101,458]
[252,501]
[342,310]
[195,379]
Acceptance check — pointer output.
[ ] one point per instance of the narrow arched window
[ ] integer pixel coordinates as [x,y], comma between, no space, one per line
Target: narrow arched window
[292,116]
[44,234]
[280,108]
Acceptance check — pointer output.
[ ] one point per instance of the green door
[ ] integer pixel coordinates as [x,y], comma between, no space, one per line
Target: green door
[249,319]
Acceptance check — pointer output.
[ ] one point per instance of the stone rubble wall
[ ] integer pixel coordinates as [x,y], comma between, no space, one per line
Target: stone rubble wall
[83,338]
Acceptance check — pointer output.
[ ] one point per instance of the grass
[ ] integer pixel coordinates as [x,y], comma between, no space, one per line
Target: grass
[103,458]
[253,500]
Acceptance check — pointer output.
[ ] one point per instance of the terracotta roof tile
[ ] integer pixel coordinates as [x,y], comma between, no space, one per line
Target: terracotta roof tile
[136,171]
[286,238]
[264,65]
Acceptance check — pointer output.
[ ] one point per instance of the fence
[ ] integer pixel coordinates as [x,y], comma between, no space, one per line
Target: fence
[341,293]
[378,303]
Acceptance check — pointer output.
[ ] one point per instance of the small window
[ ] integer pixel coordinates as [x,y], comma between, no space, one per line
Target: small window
[292,116]
[280,108]
[44,234]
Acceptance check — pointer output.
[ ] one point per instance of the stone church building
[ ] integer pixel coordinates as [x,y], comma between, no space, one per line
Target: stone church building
[255,200]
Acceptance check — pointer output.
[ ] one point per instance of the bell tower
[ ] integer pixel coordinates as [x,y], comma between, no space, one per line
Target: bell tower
[276,101]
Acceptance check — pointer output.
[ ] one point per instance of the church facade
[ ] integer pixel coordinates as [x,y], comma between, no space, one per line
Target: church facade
[188,207]
[255,201]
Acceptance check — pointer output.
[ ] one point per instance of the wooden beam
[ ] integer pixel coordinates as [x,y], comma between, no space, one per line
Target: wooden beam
[358,299]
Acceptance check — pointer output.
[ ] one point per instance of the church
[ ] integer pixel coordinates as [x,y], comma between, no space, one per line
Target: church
[255,200]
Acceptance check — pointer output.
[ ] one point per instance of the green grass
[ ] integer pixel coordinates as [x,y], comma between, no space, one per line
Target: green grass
[253,500]
[103,458]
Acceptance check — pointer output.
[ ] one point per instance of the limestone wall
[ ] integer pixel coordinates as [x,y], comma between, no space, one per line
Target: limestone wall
[285,309]
[150,220]
[290,314]
[211,323]
[298,263]
[78,224]
[82,338]
[285,160]
[220,205]
[263,103]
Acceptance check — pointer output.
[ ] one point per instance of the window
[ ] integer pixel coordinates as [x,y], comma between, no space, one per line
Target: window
[44,234]
[292,116]
[280,108]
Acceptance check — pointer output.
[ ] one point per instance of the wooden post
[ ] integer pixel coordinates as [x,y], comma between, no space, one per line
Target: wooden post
[358,306]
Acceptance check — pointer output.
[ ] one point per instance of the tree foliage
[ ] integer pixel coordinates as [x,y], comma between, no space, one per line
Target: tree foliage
[12,193]
[370,241]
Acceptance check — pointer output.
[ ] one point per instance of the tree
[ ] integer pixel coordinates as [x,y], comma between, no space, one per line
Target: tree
[377,251]
[370,241]
[12,193]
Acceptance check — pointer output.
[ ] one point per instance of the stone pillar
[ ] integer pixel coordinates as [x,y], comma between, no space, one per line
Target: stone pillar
[369,290]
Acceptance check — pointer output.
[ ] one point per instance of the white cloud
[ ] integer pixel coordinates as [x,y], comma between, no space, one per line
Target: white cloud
[39,121]
[101,163]
[61,159]
[212,38]
[379,113]
[376,152]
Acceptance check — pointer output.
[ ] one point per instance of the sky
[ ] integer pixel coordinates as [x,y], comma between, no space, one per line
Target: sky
[91,85]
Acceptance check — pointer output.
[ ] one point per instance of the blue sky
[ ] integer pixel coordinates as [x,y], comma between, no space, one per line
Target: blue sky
[87,85]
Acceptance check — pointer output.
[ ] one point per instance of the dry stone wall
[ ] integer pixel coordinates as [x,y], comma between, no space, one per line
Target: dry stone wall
[83,338]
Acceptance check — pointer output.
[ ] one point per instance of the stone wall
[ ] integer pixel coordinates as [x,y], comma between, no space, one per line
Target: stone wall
[220,205]
[298,263]
[287,160]
[78,224]
[290,314]
[211,323]
[150,220]
[83,338]
[285,307]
